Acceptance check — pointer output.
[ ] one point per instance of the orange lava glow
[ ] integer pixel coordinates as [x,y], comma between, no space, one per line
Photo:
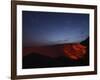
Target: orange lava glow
[75,51]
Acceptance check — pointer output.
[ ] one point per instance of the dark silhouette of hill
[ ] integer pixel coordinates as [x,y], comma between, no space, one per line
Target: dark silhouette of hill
[36,60]
[85,42]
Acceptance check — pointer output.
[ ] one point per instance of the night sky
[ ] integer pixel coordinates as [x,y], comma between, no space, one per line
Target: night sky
[41,28]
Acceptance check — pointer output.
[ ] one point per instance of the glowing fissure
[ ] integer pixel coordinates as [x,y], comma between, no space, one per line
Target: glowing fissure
[75,51]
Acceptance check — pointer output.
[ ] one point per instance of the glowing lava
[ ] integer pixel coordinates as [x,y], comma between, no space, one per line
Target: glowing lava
[75,51]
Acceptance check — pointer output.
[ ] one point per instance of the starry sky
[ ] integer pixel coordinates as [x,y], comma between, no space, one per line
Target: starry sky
[48,28]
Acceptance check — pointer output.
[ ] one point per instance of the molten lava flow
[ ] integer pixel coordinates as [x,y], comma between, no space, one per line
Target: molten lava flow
[75,51]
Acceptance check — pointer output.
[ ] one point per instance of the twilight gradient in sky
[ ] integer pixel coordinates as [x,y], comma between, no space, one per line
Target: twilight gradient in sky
[54,28]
